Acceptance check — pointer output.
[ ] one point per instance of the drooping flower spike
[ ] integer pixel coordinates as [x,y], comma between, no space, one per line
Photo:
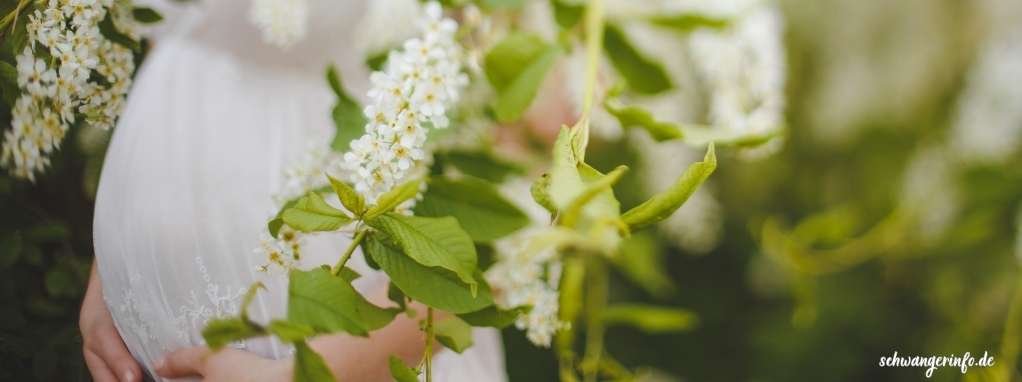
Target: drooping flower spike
[413,92]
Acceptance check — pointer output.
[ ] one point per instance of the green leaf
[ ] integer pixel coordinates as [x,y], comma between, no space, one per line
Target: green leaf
[567,13]
[687,22]
[108,30]
[649,318]
[222,331]
[275,224]
[703,135]
[60,281]
[16,36]
[501,4]
[9,82]
[349,198]
[540,191]
[334,80]
[290,332]
[506,60]
[391,199]
[10,249]
[309,366]
[376,61]
[516,68]
[146,15]
[247,299]
[642,74]
[347,113]
[632,116]
[48,232]
[348,274]
[570,178]
[401,372]
[432,286]
[480,209]
[397,296]
[565,182]
[454,334]
[480,164]
[640,259]
[603,205]
[312,214]
[432,242]
[329,304]
[599,185]
[493,317]
[662,205]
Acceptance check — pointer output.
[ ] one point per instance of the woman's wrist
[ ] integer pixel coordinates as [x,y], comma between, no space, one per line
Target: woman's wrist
[282,370]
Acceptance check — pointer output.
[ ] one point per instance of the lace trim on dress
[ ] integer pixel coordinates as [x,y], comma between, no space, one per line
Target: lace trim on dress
[213,300]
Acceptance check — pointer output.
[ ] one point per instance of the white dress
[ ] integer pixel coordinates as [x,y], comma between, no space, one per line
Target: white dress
[214,118]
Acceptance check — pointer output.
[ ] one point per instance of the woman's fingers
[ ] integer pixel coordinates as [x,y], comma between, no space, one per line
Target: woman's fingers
[107,344]
[187,362]
[104,351]
[100,372]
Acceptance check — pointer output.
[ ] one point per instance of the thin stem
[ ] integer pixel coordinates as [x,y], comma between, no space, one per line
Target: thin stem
[594,41]
[572,278]
[429,344]
[12,17]
[596,300]
[361,234]
[574,268]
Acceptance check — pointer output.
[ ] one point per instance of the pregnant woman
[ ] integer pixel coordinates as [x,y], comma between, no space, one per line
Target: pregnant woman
[215,117]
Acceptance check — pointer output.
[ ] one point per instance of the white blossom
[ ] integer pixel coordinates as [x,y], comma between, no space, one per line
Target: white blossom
[306,173]
[283,252]
[988,125]
[54,92]
[744,68]
[282,22]
[415,89]
[526,274]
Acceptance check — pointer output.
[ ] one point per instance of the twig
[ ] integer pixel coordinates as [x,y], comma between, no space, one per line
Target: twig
[596,300]
[347,252]
[429,344]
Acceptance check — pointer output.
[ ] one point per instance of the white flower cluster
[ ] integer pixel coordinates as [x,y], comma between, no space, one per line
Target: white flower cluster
[415,89]
[744,66]
[282,22]
[285,251]
[526,274]
[306,174]
[988,125]
[65,48]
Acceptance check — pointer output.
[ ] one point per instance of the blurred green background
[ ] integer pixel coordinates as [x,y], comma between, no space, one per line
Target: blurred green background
[832,254]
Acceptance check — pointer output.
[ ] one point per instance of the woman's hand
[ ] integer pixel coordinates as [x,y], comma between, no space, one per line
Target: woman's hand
[105,355]
[225,365]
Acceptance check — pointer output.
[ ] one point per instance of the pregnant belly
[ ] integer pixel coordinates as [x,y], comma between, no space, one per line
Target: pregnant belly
[186,190]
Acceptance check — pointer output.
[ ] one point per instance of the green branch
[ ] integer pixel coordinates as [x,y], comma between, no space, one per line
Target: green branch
[594,42]
[430,334]
[596,300]
[361,234]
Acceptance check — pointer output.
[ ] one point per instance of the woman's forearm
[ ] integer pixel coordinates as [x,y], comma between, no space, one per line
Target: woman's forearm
[365,358]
